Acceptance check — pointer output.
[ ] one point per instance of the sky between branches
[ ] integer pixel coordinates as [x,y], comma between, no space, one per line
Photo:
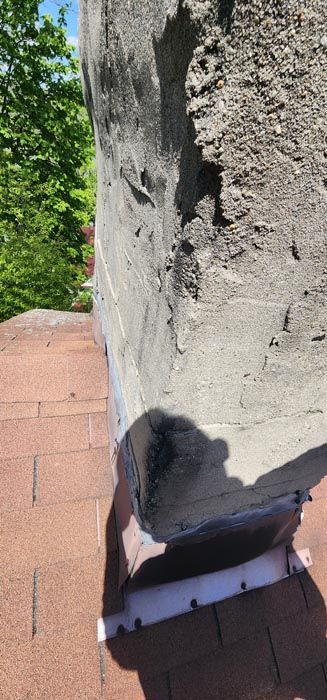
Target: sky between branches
[52,6]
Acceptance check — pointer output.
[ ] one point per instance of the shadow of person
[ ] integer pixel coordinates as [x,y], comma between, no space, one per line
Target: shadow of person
[155,650]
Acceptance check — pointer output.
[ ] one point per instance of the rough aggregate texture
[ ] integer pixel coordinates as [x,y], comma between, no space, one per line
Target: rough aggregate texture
[210,126]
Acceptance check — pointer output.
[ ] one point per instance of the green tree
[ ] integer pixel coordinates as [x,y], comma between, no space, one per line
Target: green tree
[34,274]
[46,160]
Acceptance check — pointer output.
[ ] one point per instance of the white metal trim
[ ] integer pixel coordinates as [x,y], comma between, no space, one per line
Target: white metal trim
[150,605]
[299,560]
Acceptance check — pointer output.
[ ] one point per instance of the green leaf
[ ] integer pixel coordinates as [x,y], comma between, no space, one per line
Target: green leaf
[47,174]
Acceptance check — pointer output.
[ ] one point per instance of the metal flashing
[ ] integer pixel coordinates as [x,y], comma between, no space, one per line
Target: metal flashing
[213,545]
[151,605]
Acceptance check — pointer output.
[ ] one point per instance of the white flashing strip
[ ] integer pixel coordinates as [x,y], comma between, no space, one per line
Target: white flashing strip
[150,605]
[299,560]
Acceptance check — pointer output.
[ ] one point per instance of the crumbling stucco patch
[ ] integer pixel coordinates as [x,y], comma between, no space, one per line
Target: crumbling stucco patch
[210,125]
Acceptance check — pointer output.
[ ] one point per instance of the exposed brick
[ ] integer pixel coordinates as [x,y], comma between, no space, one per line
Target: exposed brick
[72,408]
[244,670]
[15,670]
[314,580]
[66,666]
[311,686]
[10,411]
[41,535]
[257,609]
[300,643]
[98,430]
[16,483]
[158,648]
[33,436]
[72,591]
[16,595]
[72,475]
[107,525]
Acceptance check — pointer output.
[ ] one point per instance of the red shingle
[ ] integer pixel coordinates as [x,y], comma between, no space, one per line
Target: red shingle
[313,529]
[320,491]
[5,335]
[255,610]
[67,337]
[310,686]
[314,580]
[53,378]
[36,436]
[300,643]
[4,343]
[107,525]
[241,672]
[35,334]
[111,596]
[98,430]
[41,535]
[87,377]
[16,595]
[69,592]
[77,346]
[15,670]
[21,346]
[33,378]
[325,669]
[71,330]
[72,475]
[10,411]
[66,666]
[71,408]
[16,483]
[156,649]
[126,684]
[73,591]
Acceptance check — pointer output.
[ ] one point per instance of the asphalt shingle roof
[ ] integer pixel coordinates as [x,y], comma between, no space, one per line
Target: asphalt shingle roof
[59,557]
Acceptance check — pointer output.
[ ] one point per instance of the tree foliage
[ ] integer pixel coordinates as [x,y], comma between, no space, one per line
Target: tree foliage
[34,274]
[46,161]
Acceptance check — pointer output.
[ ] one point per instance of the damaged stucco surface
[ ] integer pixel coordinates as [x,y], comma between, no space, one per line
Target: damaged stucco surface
[210,127]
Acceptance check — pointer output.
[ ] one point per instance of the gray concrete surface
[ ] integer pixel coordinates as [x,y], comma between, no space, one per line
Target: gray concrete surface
[210,128]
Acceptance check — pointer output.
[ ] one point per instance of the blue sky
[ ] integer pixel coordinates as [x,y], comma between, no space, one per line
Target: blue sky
[51,7]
